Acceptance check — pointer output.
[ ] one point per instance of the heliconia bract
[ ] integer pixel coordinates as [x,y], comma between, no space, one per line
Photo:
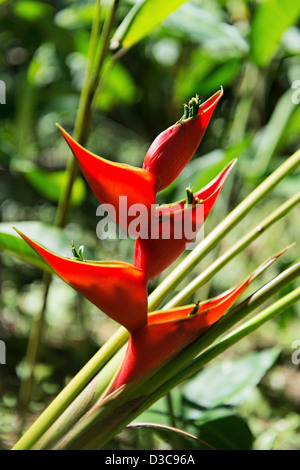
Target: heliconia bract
[174,226]
[168,331]
[119,289]
[171,151]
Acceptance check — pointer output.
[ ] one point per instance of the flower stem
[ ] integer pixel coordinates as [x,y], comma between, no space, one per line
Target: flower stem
[81,129]
[145,388]
[132,401]
[227,224]
[214,351]
[209,272]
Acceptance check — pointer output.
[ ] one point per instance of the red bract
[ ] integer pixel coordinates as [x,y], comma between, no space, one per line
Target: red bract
[117,288]
[167,332]
[171,151]
[167,156]
[109,181]
[174,226]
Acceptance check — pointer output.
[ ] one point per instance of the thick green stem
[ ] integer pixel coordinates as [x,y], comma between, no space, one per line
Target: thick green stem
[214,351]
[80,133]
[107,419]
[144,388]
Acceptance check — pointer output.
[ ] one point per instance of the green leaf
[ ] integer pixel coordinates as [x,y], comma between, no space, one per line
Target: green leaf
[270,21]
[32,11]
[51,183]
[268,138]
[141,20]
[229,382]
[219,40]
[227,433]
[45,234]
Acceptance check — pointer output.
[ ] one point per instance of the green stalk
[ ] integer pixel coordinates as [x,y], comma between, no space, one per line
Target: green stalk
[214,351]
[81,125]
[227,224]
[238,247]
[80,133]
[34,340]
[61,217]
[108,418]
[36,330]
[144,387]
[81,404]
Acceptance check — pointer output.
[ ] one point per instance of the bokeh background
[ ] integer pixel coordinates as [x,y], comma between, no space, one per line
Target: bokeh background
[252,49]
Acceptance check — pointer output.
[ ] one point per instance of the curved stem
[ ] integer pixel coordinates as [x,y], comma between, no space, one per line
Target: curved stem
[81,130]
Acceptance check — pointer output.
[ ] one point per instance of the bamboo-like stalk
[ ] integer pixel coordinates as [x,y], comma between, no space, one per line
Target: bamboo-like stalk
[107,418]
[238,247]
[232,338]
[80,133]
[61,214]
[227,224]
[96,59]
[81,404]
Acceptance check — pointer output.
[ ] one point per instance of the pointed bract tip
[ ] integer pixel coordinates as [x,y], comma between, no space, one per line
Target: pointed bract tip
[211,102]
[269,262]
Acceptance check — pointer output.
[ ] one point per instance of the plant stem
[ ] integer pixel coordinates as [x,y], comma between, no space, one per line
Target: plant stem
[209,272]
[214,351]
[171,409]
[145,387]
[69,393]
[81,125]
[33,347]
[227,224]
[81,130]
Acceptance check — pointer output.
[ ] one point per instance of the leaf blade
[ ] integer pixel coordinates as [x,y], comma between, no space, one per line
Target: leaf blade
[266,34]
[141,20]
[12,243]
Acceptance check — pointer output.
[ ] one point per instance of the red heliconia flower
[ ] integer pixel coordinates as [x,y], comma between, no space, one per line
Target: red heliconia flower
[174,226]
[167,156]
[168,332]
[171,151]
[117,288]
[109,181]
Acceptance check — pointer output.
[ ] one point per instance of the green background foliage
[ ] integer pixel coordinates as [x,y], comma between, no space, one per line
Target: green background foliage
[252,49]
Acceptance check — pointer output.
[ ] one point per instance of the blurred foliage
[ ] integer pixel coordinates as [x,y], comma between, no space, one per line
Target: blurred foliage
[252,48]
